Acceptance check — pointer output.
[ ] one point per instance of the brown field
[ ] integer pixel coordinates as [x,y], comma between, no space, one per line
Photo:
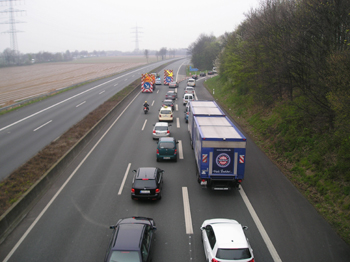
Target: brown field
[23,82]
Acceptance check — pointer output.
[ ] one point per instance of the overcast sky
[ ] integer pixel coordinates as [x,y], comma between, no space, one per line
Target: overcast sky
[57,26]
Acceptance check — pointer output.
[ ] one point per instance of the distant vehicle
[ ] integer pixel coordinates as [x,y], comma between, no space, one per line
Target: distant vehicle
[169,102]
[202,74]
[195,76]
[224,240]
[161,129]
[189,90]
[158,81]
[210,73]
[167,149]
[214,70]
[171,95]
[173,84]
[187,98]
[147,184]
[191,82]
[132,240]
[166,114]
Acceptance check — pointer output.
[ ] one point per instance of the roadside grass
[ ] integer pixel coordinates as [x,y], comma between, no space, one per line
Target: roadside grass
[316,163]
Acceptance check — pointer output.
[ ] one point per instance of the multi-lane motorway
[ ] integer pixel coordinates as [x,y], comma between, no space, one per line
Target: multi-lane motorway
[71,222]
[26,131]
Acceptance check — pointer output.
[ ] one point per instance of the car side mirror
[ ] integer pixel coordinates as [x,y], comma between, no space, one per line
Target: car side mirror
[169,125]
[112,227]
[202,228]
[244,227]
[154,228]
[134,171]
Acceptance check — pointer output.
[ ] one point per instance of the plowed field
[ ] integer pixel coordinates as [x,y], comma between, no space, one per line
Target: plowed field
[23,82]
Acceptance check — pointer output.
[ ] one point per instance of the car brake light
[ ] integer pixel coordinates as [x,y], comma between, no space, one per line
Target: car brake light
[251,260]
[214,260]
[171,116]
[239,180]
[157,190]
[133,190]
[160,115]
[144,178]
[175,151]
[168,132]
[154,131]
[157,151]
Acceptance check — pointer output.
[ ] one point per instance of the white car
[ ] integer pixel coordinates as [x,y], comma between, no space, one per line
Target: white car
[161,129]
[165,114]
[224,240]
[186,98]
[191,82]
[189,90]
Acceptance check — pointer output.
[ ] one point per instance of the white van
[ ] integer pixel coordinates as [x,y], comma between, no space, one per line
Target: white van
[187,97]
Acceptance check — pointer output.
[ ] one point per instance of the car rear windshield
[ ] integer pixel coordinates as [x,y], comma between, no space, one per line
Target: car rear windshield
[165,112]
[161,128]
[125,256]
[150,183]
[166,145]
[231,254]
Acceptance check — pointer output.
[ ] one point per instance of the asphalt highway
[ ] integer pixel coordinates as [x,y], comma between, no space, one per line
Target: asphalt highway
[25,131]
[71,221]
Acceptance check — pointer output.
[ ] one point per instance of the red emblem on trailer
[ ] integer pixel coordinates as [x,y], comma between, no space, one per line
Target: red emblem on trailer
[241,159]
[204,158]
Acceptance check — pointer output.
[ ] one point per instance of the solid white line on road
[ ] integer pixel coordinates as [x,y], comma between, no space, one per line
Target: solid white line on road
[124,179]
[13,250]
[144,124]
[181,152]
[187,211]
[42,125]
[267,240]
[102,92]
[80,104]
[195,96]
[177,122]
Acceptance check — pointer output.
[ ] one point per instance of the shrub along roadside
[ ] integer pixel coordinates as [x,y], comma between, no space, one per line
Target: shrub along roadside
[315,162]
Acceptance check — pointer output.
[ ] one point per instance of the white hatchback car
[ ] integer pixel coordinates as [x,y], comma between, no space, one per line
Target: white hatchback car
[191,82]
[161,129]
[224,240]
[166,114]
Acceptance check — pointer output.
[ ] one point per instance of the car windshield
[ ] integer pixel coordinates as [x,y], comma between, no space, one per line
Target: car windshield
[147,183]
[165,112]
[230,254]
[125,256]
[161,128]
[166,145]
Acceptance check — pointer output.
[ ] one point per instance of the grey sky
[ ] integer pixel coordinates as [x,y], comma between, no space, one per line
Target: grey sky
[57,26]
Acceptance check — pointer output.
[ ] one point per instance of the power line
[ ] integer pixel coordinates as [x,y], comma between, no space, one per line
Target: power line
[12,22]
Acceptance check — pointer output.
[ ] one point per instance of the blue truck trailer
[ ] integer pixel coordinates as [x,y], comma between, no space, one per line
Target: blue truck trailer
[219,149]
[201,108]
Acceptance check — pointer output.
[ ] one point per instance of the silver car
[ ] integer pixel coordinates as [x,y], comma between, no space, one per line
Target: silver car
[161,129]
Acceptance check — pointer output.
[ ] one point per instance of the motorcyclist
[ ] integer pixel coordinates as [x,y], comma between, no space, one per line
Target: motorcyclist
[146,105]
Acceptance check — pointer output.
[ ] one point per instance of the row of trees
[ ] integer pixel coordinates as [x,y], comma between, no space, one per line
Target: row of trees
[10,57]
[296,50]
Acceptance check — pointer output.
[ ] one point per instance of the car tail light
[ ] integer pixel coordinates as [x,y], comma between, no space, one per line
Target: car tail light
[168,131]
[144,178]
[160,115]
[175,151]
[157,151]
[251,260]
[239,180]
[157,190]
[214,260]
[133,190]
[154,131]
[171,116]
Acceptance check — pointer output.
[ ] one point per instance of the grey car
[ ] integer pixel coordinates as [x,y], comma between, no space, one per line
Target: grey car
[161,129]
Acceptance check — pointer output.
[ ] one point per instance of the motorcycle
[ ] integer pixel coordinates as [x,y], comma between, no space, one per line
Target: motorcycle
[145,109]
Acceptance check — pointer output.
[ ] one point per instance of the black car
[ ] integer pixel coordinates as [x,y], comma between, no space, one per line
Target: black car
[147,183]
[132,240]
[195,76]
[169,102]
[202,74]
[210,73]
